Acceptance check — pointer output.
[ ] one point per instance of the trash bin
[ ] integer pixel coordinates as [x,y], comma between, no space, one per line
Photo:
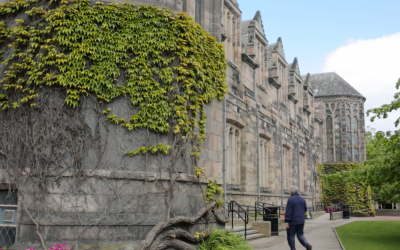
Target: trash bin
[346,212]
[271,214]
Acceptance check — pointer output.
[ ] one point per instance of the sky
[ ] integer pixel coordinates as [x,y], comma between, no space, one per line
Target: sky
[359,40]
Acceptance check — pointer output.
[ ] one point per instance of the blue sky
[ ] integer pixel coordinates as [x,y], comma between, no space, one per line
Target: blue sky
[356,39]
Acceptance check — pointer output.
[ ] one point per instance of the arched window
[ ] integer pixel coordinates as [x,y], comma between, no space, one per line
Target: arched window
[338,138]
[356,156]
[264,169]
[329,122]
[233,155]
[286,169]
[329,133]
[355,123]
[301,174]
[355,138]
[348,123]
[348,137]
[334,131]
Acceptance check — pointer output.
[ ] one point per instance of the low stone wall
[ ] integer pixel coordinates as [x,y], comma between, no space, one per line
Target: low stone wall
[337,215]
[315,215]
[281,225]
[263,227]
[387,212]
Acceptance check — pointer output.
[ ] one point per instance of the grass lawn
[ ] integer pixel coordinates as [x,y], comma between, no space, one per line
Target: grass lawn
[370,235]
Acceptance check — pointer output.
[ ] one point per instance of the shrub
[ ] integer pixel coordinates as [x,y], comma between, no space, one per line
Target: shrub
[224,240]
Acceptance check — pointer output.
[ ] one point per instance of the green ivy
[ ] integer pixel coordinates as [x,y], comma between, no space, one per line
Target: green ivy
[173,68]
[214,189]
[338,182]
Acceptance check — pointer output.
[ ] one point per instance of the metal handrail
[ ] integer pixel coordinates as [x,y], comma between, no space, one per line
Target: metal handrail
[261,206]
[265,205]
[239,210]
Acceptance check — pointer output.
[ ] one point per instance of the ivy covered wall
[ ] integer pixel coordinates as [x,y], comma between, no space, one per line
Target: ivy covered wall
[103,110]
[340,184]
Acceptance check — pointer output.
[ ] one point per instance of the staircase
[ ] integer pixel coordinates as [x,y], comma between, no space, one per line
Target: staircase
[251,234]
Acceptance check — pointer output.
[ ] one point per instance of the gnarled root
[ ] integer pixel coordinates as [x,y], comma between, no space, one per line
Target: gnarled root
[164,242]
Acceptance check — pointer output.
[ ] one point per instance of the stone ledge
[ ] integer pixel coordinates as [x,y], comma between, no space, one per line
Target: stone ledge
[336,215]
[315,215]
[263,227]
[387,212]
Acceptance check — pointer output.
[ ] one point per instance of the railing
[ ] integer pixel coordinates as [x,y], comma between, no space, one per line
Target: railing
[264,206]
[318,207]
[234,207]
[257,207]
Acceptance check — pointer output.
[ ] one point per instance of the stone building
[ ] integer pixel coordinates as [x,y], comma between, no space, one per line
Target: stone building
[281,124]
[271,131]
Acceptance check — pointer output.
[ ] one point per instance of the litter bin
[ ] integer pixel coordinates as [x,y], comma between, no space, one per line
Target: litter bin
[271,214]
[346,212]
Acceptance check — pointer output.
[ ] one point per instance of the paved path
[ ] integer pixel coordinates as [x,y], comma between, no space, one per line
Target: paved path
[318,232]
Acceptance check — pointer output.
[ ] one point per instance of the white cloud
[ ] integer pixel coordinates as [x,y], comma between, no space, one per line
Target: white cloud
[373,68]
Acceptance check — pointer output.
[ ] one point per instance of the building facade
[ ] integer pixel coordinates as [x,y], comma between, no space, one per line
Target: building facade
[272,130]
[281,124]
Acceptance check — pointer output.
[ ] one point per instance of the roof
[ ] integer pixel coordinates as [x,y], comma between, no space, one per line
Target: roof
[329,84]
[245,25]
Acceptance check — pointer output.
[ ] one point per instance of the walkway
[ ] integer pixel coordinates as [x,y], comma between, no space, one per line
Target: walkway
[319,233]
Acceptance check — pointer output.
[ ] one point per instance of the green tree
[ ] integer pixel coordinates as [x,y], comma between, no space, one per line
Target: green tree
[382,168]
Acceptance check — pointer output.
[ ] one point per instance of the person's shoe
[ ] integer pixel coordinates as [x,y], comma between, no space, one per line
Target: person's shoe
[309,247]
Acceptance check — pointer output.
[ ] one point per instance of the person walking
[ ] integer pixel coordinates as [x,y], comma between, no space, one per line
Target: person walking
[294,219]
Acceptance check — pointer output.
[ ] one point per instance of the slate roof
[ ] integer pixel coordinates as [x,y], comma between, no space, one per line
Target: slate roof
[245,24]
[329,84]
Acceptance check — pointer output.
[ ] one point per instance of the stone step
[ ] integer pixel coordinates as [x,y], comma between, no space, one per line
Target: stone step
[237,229]
[249,232]
[254,236]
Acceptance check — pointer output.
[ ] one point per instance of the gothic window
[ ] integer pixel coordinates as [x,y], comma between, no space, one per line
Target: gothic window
[329,122]
[348,123]
[330,154]
[264,162]
[338,153]
[349,154]
[301,174]
[233,40]
[348,137]
[352,133]
[355,123]
[334,131]
[337,131]
[356,156]
[286,169]
[355,138]
[233,155]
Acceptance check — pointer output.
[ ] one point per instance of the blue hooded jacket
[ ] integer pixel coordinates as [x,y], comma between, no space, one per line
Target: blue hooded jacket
[295,210]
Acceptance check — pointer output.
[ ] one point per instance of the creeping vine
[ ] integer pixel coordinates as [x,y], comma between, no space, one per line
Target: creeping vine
[338,183]
[173,68]
[164,63]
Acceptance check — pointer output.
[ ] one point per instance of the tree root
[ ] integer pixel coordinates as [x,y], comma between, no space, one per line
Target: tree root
[160,227]
[164,240]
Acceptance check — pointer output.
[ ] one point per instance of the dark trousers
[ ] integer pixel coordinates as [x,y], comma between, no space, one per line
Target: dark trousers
[299,230]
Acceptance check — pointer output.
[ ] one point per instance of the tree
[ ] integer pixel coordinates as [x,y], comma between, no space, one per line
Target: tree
[382,168]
